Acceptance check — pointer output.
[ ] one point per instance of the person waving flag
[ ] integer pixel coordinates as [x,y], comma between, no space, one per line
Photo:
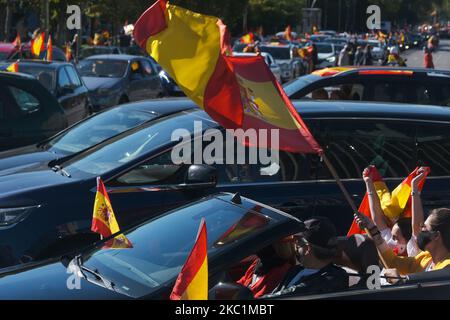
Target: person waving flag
[192,282]
[104,220]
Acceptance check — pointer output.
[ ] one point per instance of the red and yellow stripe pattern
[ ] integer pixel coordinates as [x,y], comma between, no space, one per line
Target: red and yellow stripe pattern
[192,282]
[104,220]
[49,56]
[37,44]
[13,67]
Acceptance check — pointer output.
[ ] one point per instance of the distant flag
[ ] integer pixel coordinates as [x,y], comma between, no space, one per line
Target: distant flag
[49,56]
[104,220]
[68,52]
[17,42]
[37,44]
[248,38]
[192,282]
[237,92]
[315,30]
[14,67]
[394,205]
[288,33]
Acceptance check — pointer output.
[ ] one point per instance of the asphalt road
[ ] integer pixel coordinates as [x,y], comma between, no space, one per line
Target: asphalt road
[441,58]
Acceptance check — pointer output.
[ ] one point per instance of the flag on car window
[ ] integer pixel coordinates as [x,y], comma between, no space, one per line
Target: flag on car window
[104,220]
[394,205]
[192,282]
[237,92]
[13,67]
[49,56]
[37,45]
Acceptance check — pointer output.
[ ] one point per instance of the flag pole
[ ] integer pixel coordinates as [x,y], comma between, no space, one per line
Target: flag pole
[347,197]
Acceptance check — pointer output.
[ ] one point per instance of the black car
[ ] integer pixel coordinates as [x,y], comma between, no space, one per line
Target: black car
[28,112]
[142,179]
[384,84]
[62,80]
[88,51]
[117,79]
[89,132]
[237,229]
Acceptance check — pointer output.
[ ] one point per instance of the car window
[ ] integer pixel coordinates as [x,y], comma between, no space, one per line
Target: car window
[45,75]
[443,95]
[26,102]
[63,79]
[346,91]
[73,76]
[433,148]
[103,68]
[352,145]
[2,110]
[147,69]
[389,91]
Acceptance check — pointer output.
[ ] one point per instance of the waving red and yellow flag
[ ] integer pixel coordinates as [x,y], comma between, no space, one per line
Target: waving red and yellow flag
[288,33]
[13,67]
[104,220]
[49,56]
[237,92]
[192,282]
[394,205]
[37,44]
[17,42]
[68,52]
[248,38]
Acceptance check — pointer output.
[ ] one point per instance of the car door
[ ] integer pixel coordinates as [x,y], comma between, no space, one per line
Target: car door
[136,81]
[67,96]
[80,95]
[153,87]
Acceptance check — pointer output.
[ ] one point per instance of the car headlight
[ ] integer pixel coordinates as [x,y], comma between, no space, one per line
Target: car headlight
[9,216]
[331,59]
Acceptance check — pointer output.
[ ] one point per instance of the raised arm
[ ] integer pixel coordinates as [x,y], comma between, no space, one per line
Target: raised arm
[416,202]
[376,211]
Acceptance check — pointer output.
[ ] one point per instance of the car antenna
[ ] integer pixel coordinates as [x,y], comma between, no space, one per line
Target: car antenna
[236,198]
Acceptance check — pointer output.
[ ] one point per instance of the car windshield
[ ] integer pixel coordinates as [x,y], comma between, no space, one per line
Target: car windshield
[324,48]
[104,68]
[296,85]
[161,247]
[97,129]
[45,75]
[129,146]
[278,53]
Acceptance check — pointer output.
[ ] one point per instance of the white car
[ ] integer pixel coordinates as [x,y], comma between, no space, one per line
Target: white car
[327,55]
[282,54]
[270,61]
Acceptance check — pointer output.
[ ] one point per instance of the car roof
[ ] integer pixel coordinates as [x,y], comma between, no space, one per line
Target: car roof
[122,57]
[49,64]
[16,76]
[161,106]
[351,70]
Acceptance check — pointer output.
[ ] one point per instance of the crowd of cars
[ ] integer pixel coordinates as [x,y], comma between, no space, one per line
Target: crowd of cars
[62,126]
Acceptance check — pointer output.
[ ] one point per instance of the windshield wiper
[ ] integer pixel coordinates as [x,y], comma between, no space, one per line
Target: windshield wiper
[60,169]
[108,284]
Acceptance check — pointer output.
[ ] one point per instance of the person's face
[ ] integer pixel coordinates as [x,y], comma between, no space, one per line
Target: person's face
[303,251]
[397,235]
[433,237]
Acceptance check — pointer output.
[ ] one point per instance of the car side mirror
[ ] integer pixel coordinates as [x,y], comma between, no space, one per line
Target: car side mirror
[230,291]
[201,175]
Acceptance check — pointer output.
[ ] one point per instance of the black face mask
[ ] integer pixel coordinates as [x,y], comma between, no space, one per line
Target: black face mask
[424,238]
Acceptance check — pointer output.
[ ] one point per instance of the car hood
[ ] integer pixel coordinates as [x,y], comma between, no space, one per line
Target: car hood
[94,83]
[50,281]
[13,162]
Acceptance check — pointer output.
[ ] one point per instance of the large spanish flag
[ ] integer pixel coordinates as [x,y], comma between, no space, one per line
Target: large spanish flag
[192,282]
[37,44]
[104,220]
[237,92]
[394,205]
[49,56]
[13,67]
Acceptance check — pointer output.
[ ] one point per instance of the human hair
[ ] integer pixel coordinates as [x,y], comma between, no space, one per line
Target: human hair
[440,221]
[323,254]
[404,224]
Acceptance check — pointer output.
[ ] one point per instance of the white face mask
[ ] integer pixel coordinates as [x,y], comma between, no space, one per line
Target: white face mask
[396,247]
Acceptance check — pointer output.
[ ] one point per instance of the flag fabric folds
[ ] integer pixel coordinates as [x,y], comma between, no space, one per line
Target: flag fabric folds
[37,44]
[237,92]
[68,52]
[13,67]
[192,282]
[288,33]
[394,205]
[248,38]
[49,56]
[104,220]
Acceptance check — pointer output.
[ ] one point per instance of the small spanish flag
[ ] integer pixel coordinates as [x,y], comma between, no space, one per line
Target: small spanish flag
[14,67]
[248,38]
[17,42]
[49,56]
[68,52]
[37,44]
[192,282]
[104,220]
[288,33]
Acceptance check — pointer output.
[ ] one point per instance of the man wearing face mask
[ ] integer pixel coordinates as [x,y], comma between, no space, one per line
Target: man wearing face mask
[433,240]
[316,247]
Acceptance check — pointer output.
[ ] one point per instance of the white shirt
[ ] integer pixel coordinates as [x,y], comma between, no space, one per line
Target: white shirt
[411,247]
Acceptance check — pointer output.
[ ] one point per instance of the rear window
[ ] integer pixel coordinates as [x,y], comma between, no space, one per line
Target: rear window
[278,53]
[26,102]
